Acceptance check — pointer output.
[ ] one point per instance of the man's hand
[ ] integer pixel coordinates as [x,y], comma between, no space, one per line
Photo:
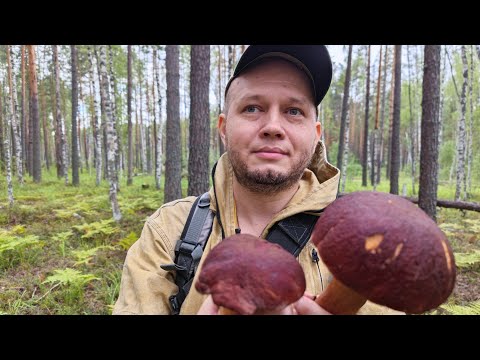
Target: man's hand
[306,305]
[208,307]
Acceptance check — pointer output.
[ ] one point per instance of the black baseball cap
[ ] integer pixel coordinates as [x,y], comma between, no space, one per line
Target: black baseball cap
[313,59]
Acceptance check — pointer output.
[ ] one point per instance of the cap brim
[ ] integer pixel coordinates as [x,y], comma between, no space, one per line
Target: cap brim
[314,59]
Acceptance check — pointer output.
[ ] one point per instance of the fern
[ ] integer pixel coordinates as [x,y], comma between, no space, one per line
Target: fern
[472,308]
[62,239]
[94,229]
[467,259]
[85,256]
[69,276]
[128,241]
[17,243]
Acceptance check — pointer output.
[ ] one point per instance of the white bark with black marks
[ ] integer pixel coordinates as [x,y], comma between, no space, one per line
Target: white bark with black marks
[158,133]
[111,142]
[12,84]
[461,130]
[8,155]
[97,133]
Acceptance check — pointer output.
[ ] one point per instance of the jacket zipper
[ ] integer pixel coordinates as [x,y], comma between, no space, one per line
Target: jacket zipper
[315,259]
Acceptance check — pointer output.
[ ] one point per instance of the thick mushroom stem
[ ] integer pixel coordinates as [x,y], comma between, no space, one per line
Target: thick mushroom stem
[339,299]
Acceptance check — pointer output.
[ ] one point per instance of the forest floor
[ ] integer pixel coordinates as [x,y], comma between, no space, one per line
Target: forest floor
[61,254]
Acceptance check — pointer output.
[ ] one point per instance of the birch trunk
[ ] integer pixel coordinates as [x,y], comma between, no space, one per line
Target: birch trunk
[461,131]
[12,84]
[95,123]
[158,130]
[395,143]
[129,116]
[470,129]
[8,156]
[345,151]
[111,143]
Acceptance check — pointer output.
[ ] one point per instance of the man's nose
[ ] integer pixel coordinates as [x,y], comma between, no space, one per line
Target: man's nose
[273,125]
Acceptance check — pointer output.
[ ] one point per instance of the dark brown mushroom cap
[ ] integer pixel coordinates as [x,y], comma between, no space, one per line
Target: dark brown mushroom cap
[387,249]
[247,274]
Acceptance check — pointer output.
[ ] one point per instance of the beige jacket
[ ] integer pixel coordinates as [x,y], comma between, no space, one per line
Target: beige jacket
[145,287]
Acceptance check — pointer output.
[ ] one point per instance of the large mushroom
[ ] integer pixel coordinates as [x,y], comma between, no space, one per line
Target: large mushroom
[383,248]
[248,275]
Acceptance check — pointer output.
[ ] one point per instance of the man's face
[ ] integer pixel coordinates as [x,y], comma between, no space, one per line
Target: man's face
[270,129]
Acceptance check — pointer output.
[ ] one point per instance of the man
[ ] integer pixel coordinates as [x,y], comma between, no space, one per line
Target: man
[274,167]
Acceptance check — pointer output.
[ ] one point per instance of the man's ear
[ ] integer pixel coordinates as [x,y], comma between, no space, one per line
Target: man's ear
[222,127]
[318,131]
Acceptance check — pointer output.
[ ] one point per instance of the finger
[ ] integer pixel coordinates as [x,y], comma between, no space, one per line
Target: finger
[208,307]
[306,306]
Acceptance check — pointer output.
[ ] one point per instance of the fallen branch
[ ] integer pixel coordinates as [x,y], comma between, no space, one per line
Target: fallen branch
[460,205]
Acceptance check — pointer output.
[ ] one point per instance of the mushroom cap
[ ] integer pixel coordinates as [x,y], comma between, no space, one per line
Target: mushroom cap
[250,275]
[387,249]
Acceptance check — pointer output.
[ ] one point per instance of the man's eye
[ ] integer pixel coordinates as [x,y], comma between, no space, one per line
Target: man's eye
[251,109]
[294,112]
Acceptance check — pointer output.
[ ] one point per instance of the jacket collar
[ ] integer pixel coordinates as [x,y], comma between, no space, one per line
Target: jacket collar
[318,188]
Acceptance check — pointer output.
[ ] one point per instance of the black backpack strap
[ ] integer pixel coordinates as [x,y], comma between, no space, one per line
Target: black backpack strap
[189,249]
[293,232]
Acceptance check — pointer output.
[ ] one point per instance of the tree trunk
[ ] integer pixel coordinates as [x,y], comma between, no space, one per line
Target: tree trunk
[37,152]
[129,116]
[461,131]
[470,129]
[375,130]
[97,133]
[12,84]
[111,143]
[158,130]
[390,126]
[382,120]
[27,155]
[62,154]
[365,129]
[7,141]
[221,147]
[345,150]
[113,96]
[427,193]
[173,175]
[198,160]
[345,105]
[82,120]
[143,150]
[412,124]
[75,156]
[2,138]
[395,161]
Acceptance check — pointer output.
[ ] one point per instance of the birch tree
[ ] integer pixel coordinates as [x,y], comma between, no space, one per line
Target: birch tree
[8,157]
[129,116]
[75,155]
[12,85]
[158,129]
[110,130]
[461,130]
[345,106]
[95,123]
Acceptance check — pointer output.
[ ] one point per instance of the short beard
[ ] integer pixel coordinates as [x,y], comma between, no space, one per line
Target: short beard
[267,182]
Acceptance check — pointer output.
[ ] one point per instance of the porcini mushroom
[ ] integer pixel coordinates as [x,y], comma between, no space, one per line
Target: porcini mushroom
[383,248]
[249,275]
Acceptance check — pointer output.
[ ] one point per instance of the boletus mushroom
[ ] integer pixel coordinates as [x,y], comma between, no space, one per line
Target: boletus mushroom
[248,275]
[383,248]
